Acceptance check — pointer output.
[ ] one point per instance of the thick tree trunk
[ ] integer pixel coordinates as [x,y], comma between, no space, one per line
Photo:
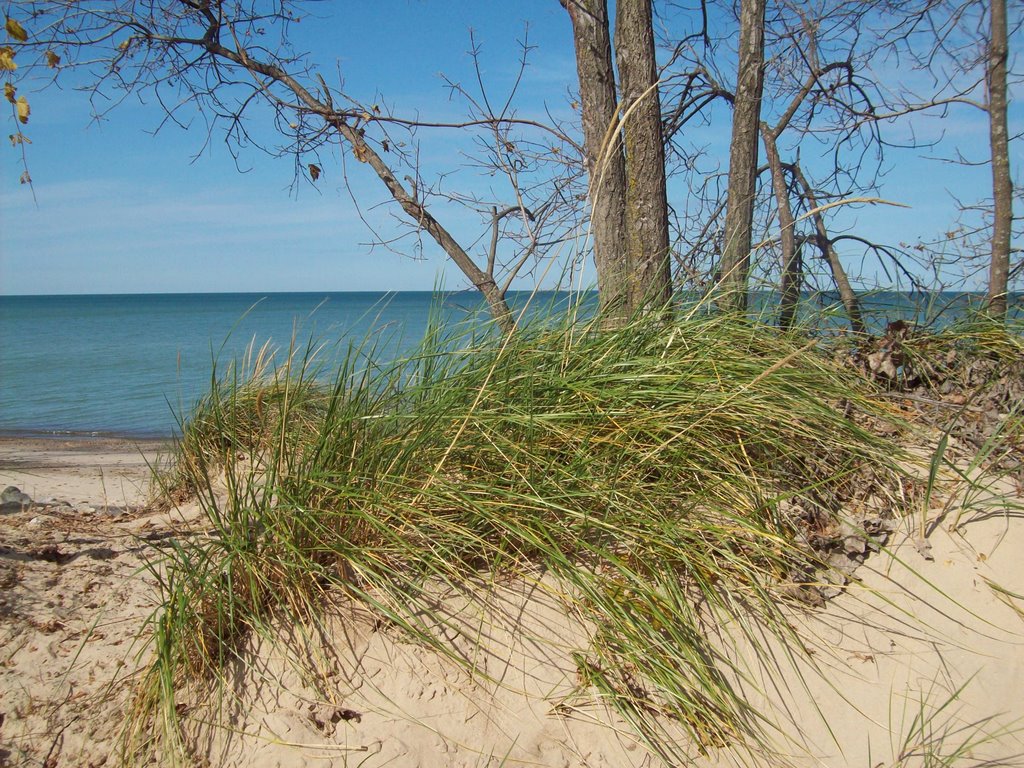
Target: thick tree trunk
[792,273]
[605,162]
[1002,186]
[746,118]
[647,245]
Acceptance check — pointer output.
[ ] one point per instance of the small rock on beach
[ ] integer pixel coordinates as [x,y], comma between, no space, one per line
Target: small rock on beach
[13,500]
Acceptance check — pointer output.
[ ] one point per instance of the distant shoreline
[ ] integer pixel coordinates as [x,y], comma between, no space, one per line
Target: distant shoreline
[85,441]
[312,293]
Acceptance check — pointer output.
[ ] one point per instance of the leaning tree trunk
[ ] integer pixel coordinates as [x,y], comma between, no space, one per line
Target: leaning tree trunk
[792,272]
[484,282]
[647,245]
[605,162]
[746,118]
[842,282]
[409,202]
[1002,186]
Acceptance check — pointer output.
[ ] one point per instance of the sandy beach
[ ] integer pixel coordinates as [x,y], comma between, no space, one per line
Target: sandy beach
[919,660]
[72,594]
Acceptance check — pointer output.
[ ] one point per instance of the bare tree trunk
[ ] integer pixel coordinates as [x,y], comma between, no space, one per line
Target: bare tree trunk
[647,245]
[1002,186]
[846,293]
[792,283]
[746,118]
[792,274]
[605,164]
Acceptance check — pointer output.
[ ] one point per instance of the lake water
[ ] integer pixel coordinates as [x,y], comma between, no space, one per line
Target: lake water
[126,365]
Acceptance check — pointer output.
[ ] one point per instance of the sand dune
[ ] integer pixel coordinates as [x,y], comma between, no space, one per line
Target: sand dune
[937,644]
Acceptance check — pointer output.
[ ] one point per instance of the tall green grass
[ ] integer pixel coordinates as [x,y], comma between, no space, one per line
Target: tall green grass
[652,472]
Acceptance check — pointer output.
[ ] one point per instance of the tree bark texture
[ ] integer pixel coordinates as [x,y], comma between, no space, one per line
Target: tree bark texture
[647,244]
[746,119]
[605,163]
[792,273]
[1002,186]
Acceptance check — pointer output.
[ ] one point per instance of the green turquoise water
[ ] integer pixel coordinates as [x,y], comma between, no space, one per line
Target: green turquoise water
[125,365]
[129,365]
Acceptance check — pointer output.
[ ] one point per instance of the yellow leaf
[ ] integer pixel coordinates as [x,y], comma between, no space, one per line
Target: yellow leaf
[52,59]
[360,152]
[314,171]
[15,30]
[23,109]
[9,91]
[7,59]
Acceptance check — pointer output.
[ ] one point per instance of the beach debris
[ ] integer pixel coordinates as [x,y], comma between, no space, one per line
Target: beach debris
[969,383]
[13,500]
[10,577]
[325,716]
[924,547]
[112,510]
[886,360]
[839,545]
[51,553]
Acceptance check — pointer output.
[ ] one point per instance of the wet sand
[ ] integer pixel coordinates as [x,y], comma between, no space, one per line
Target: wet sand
[96,469]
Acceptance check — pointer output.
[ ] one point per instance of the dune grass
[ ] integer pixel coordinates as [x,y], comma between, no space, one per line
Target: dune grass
[663,475]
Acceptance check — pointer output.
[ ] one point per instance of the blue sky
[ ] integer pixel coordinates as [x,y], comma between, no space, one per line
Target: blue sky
[121,210]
